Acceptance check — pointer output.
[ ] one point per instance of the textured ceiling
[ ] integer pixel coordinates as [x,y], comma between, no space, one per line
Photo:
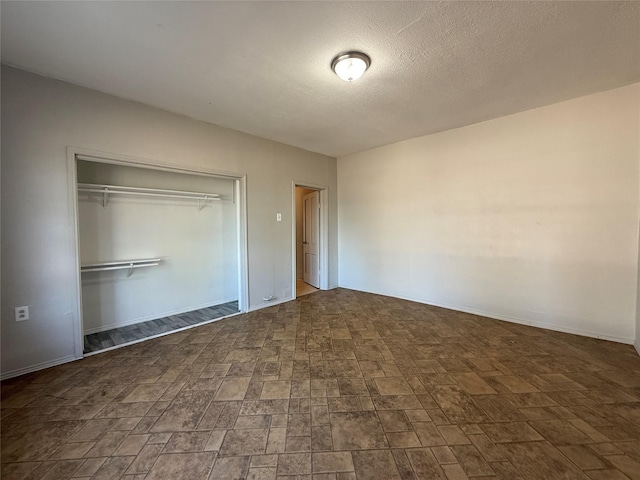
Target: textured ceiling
[264,67]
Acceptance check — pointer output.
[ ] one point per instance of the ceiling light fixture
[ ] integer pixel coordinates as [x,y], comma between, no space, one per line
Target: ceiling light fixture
[351,65]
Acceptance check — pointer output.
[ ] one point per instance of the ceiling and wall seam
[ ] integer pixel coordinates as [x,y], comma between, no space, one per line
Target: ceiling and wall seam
[435,65]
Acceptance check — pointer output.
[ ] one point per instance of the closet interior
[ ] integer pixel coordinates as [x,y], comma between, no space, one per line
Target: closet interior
[158,251]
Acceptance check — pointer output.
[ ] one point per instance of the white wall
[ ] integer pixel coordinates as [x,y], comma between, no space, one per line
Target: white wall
[198,247]
[531,217]
[40,118]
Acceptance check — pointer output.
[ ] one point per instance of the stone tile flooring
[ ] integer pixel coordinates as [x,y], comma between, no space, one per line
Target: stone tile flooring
[338,385]
[138,331]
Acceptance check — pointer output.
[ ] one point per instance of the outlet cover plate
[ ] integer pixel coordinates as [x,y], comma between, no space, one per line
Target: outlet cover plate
[22,314]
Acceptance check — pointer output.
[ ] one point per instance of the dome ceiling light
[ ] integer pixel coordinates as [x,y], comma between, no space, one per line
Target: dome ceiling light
[351,65]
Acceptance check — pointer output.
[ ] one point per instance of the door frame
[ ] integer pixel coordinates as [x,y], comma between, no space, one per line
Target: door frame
[240,198]
[323,248]
[312,241]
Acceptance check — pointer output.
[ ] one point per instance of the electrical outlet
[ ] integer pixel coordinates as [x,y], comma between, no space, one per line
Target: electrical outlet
[278,217]
[22,313]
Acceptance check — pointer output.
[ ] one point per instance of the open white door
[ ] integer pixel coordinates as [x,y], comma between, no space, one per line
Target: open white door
[311,238]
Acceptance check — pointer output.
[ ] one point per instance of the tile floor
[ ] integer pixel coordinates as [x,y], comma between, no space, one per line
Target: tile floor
[338,385]
[138,331]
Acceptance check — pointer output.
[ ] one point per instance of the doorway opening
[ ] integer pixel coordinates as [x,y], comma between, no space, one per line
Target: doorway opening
[308,239]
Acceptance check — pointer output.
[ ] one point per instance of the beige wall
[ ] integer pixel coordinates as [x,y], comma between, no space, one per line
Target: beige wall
[40,118]
[531,217]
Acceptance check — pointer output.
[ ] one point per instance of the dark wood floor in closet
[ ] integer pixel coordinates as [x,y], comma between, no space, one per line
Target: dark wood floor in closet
[119,336]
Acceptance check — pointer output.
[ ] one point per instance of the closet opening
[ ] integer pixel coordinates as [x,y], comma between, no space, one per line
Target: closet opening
[159,250]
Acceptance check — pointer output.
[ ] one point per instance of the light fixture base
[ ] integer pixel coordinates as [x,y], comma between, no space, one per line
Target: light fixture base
[350,66]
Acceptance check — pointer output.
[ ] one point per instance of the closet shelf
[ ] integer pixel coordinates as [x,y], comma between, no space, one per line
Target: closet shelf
[106,190]
[122,265]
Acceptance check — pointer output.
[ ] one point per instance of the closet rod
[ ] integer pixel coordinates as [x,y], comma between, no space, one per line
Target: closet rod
[156,192]
[107,190]
[123,265]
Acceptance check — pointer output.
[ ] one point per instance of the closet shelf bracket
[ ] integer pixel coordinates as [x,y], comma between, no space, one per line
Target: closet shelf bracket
[202,201]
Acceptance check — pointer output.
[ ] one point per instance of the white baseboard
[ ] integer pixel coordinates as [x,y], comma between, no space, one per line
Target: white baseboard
[331,287]
[637,345]
[520,321]
[38,366]
[161,334]
[71,358]
[103,328]
[262,305]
